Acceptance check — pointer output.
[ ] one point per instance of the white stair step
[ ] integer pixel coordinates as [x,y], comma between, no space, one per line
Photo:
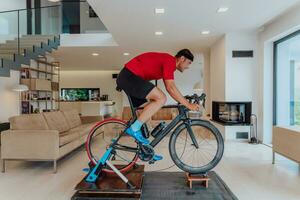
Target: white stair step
[8,51]
[13,42]
[22,46]
[51,37]
[7,56]
[28,41]
[15,49]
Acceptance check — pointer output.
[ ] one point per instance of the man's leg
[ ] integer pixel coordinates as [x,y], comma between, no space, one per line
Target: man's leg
[157,100]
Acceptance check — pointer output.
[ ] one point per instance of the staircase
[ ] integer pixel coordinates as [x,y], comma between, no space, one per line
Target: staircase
[14,53]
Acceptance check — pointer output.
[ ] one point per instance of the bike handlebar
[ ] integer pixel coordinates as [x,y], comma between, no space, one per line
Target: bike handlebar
[197,99]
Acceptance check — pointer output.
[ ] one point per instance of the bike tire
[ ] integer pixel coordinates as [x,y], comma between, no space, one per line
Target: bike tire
[203,169]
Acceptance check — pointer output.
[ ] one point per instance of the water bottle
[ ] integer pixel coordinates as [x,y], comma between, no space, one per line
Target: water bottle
[158,128]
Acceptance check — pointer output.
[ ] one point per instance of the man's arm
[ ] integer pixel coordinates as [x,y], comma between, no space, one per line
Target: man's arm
[177,96]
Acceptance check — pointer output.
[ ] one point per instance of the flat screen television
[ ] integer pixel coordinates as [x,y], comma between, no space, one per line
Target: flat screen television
[80,94]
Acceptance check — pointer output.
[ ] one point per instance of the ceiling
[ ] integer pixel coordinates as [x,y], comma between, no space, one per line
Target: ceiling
[132,24]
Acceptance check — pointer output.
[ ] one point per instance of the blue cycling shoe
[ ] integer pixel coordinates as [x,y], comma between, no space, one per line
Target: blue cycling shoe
[157,157]
[137,135]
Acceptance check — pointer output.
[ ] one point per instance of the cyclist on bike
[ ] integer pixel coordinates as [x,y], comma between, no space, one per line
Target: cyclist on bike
[135,78]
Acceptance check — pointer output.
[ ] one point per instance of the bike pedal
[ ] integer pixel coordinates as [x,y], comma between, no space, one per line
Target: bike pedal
[151,162]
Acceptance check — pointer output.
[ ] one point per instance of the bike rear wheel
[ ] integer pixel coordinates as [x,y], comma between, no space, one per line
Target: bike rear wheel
[101,137]
[196,160]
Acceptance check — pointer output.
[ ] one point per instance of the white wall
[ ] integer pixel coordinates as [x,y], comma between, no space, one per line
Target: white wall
[9,101]
[93,79]
[217,70]
[206,80]
[240,78]
[280,27]
[87,24]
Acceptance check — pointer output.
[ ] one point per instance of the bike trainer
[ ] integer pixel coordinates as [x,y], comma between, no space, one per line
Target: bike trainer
[109,186]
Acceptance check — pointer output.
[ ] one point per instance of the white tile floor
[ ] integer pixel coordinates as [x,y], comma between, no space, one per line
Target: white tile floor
[246,169]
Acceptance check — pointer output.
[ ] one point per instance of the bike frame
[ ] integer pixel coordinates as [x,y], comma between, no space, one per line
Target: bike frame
[180,118]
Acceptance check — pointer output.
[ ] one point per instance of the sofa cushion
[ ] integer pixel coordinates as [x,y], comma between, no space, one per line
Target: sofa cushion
[72,117]
[56,121]
[28,122]
[68,137]
[84,129]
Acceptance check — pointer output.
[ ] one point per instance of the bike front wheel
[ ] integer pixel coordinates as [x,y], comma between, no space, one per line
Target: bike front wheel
[187,156]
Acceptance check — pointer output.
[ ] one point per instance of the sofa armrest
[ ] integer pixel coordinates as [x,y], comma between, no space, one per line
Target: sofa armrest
[90,119]
[30,144]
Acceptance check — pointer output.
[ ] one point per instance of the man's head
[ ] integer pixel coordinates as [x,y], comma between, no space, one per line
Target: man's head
[184,58]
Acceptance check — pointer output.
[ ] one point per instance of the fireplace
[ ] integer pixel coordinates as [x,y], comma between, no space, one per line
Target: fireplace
[231,113]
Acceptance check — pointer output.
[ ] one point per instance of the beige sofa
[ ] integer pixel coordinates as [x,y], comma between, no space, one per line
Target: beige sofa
[44,137]
[286,141]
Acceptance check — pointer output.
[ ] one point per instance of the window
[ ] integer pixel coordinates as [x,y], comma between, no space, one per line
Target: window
[287,80]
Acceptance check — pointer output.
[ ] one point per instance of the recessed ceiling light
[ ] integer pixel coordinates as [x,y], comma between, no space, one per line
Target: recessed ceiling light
[126,54]
[57,67]
[159,33]
[205,32]
[222,9]
[54,0]
[95,54]
[159,10]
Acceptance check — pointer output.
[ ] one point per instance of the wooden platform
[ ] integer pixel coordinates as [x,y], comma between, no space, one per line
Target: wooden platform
[197,178]
[111,186]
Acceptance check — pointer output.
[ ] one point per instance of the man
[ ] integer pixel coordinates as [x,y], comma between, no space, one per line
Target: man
[134,80]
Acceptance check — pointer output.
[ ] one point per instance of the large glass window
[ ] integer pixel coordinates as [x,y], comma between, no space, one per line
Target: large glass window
[287,80]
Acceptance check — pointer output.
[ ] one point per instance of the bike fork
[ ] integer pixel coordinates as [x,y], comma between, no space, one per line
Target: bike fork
[191,133]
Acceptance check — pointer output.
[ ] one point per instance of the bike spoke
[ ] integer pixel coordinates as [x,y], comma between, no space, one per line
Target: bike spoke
[192,156]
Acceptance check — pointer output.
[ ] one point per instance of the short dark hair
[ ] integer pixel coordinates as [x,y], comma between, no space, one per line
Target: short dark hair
[185,53]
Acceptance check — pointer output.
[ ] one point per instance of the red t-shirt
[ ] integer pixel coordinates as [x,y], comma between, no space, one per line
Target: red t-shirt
[153,66]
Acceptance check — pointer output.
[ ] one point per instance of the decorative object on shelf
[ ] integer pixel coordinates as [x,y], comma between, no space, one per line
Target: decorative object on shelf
[20,88]
[36,110]
[104,97]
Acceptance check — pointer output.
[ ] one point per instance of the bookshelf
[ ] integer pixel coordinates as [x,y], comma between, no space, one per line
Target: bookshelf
[42,78]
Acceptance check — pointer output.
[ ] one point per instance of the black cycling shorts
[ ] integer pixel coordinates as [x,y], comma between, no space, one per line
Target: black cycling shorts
[134,86]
